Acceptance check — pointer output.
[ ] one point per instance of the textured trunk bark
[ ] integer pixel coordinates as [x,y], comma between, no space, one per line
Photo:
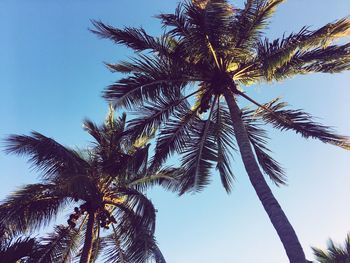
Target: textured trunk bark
[278,219]
[89,236]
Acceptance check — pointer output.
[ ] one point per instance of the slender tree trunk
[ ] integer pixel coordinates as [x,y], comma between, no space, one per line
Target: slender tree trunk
[279,220]
[159,256]
[89,238]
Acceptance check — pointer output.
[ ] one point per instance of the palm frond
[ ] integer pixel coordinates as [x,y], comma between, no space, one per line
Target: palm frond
[17,249]
[152,115]
[138,162]
[199,154]
[113,251]
[301,123]
[258,138]
[167,177]
[59,246]
[46,155]
[140,205]
[156,78]
[224,138]
[304,52]
[94,131]
[173,136]
[333,253]
[252,19]
[31,207]
[135,38]
[133,238]
[80,187]
[178,21]
[218,16]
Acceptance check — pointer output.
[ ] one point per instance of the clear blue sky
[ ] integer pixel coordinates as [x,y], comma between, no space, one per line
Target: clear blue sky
[51,77]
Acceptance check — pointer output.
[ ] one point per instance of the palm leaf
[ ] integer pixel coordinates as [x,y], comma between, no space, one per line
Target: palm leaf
[167,177]
[17,249]
[158,78]
[135,38]
[31,207]
[223,133]
[132,239]
[301,123]
[178,21]
[305,51]
[151,116]
[46,155]
[333,253]
[140,205]
[252,19]
[59,246]
[258,139]
[174,134]
[199,154]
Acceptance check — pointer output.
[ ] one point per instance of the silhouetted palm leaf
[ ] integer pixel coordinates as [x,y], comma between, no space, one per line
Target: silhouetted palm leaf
[334,253]
[59,246]
[300,122]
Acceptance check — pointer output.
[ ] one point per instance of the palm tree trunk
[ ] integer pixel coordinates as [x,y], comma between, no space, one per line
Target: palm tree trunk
[278,219]
[159,255]
[89,236]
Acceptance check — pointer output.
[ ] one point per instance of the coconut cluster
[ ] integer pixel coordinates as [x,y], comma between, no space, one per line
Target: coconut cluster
[78,212]
[105,218]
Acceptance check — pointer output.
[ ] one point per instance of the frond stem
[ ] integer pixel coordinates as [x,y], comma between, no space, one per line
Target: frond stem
[212,50]
[264,108]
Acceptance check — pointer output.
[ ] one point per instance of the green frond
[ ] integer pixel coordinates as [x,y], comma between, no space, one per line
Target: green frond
[177,21]
[31,207]
[80,187]
[168,177]
[141,206]
[327,34]
[135,38]
[199,154]
[218,16]
[113,251]
[251,20]
[224,137]
[15,250]
[152,115]
[138,162]
[132,237]
[258,138]
[157,255]
[301,53]
[156,78]
[60,246]
[173,136]
[334,253]
[300,122]
[46,155]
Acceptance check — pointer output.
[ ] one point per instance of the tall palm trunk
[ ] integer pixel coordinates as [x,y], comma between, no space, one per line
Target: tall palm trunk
[278,219]
[89,236]
[159,258]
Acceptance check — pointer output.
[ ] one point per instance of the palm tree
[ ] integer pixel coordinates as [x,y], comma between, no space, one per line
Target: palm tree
[334,253]
[187,82]
[107,180]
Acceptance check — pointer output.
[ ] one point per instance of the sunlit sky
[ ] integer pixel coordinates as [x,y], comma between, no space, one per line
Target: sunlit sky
[51,78]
